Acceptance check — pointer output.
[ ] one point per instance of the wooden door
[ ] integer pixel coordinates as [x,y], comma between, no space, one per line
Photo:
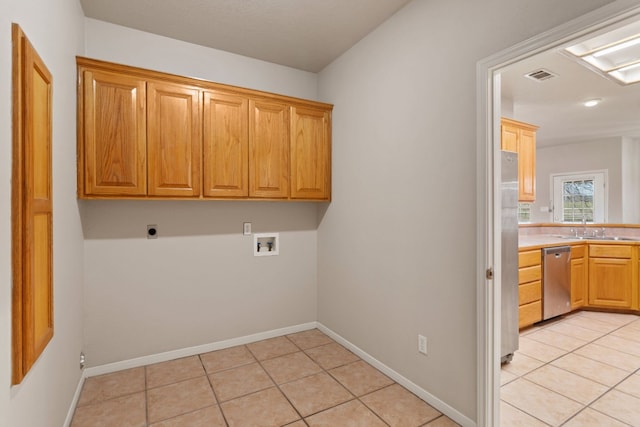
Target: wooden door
[174,140]
[269,131]
[527,166]
[610,282]
[114,133]
[32,207]
[310,154]
[226,145]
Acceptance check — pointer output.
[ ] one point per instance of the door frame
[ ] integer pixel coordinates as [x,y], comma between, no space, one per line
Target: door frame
[488,190]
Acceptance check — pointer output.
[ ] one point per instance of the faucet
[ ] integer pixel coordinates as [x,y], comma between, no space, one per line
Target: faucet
[584,225]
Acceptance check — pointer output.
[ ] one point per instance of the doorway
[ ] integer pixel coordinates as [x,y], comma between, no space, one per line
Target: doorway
[489,112]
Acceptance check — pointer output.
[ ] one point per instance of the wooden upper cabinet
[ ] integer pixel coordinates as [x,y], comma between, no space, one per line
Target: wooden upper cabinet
[146,134]
[527,166]
[269,136]
[509,141]
[174,139]
[520,137]
[226,145]
[310,154]
[114,133]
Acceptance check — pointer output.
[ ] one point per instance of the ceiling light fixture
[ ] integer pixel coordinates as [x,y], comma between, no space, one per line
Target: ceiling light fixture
[615,54]
[592,102]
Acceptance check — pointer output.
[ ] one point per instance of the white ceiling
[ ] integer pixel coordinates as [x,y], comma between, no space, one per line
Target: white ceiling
[303,34]
[556,104]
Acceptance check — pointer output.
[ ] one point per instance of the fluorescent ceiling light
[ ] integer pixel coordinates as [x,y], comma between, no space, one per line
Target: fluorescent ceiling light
[615,54]
[617,46]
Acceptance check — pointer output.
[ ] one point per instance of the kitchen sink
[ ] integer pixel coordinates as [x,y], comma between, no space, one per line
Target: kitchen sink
[621,238]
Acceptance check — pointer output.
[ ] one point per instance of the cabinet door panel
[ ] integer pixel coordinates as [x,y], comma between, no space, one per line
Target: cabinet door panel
[310,153]
[114,134]
[610,282]
[578,283]
[226,145]
[268,149]
[509,141]
[174,144]
[527,166]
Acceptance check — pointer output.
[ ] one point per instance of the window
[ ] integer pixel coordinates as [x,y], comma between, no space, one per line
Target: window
[524,212]
[579,197]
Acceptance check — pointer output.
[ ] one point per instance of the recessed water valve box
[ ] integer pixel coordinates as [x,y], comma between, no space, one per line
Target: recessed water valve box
[266,244]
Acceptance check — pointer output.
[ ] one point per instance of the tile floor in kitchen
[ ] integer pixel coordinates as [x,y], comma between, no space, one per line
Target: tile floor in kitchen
[580,370]
[302,379]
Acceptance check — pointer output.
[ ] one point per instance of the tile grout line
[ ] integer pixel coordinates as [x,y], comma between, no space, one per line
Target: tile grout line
[215,395]
[609,388]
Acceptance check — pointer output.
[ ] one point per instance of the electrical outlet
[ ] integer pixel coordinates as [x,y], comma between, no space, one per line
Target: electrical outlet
[422,344]
[246,228]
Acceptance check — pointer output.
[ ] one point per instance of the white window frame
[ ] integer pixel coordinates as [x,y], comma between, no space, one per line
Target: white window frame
[600,196]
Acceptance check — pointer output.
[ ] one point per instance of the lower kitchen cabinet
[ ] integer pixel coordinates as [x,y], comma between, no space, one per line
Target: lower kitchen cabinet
[529,287]
[579,276]
[612,282]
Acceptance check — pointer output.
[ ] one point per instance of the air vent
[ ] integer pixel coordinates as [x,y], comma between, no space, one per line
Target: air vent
[540,75]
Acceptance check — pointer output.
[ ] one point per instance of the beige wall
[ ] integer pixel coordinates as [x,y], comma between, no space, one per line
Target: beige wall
[583,156]
[396,247]
[55,28]
[199,282]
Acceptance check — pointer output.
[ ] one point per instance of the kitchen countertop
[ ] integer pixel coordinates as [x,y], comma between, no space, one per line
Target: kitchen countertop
[537,241]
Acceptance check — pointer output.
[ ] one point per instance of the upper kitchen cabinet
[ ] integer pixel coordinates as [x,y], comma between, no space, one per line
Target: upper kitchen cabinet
[173,140]
[112,134]
[226,145]
[310,153]
[521,138]
[146,134]
[269,136]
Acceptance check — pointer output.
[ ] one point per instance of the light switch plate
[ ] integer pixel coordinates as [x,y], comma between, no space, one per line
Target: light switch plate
[246,228]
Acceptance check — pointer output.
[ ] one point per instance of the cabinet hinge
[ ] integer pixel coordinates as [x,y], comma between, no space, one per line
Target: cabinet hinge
[489,273]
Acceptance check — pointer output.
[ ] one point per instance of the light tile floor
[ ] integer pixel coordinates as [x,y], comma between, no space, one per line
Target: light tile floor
[580,370]
[302,379]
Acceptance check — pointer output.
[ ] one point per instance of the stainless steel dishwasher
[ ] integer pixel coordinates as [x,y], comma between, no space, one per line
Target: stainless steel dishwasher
[556,281]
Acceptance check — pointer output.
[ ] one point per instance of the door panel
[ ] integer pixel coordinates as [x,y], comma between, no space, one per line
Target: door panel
[226,145]
[174,144]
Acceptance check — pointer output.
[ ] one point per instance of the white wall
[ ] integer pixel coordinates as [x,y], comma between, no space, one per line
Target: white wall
[123,45]
[55,29]
[631,180]
[579,157]
[396,247]
[197,283]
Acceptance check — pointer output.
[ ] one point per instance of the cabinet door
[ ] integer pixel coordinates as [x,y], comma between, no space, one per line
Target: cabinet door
[268,149]
[226,145]
[114,134]
[174,145]
[578,283]
[610,282]
[509,141]
[526,166]
[310,154]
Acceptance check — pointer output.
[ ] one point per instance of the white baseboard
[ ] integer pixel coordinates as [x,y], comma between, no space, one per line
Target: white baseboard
[74,401]
[191,351]
[423,394]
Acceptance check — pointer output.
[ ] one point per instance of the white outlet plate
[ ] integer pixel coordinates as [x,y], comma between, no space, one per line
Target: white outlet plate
[246,228]
[422,344]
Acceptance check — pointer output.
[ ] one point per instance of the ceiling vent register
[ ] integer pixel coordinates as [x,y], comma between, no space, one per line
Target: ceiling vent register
[540,75]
